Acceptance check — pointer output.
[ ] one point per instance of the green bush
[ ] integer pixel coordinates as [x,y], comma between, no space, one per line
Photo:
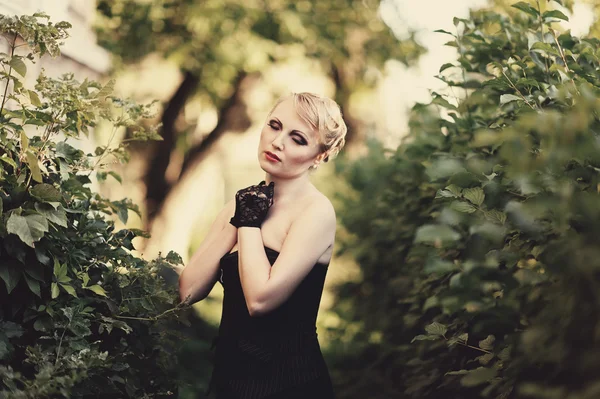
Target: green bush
[477,237]
[80,315]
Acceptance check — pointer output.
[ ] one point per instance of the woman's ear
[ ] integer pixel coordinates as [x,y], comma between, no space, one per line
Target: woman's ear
[321,157]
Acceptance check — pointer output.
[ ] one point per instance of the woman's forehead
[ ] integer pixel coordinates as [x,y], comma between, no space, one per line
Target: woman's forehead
[287,113]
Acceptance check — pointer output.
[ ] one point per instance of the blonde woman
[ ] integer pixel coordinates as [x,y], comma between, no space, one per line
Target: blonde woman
[270,248]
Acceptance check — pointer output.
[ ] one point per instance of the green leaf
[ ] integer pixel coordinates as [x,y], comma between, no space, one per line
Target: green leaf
[504,354]
[18,65]
[24,141]
[445,194]
[46,193]
[475,195]
[33,285]
[59,270]
[496,216]
[34,270]
[97,289]
[446,66]
[70,290]
[1,206]
[56,216]
[85,278]
[55,290]
[545,47]
[10,329]
[506,98]
[5,349]
[478,376]
[457,372]
[443,31]
[528,82]
[9,161]
[462,339]
[485,359]
[174,258]
[116,176]
[436,328]
[34,166]
[441,101]
[444,168]
[437,265]
[425,338]
[462,206]
[30,228]
[521,5]
[554,14]
[10,272]
[488,343]
[34,98]
[107,90]
[454,189]
[436,234]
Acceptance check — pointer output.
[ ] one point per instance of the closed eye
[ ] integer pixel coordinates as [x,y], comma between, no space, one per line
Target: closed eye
[301,141]
[298,139]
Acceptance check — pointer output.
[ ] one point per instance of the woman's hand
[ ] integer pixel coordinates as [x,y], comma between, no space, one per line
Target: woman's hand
[252,205]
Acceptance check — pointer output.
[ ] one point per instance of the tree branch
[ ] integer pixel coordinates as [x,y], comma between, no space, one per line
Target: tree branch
[226,115]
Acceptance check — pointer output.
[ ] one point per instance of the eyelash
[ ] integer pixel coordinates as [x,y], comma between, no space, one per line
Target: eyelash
[275,127]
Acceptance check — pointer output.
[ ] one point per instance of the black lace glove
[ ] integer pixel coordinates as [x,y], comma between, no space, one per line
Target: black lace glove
[252,205]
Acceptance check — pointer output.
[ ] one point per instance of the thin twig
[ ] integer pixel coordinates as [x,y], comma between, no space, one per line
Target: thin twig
[474,347]
[517,90]
[562,55]
[61,339]
[152,318]
[542,32]
[469,346]
[12,53]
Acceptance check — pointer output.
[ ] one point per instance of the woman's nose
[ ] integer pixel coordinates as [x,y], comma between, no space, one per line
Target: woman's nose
[278,141]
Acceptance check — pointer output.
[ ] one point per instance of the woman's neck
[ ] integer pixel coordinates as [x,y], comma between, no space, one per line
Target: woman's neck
[289,189]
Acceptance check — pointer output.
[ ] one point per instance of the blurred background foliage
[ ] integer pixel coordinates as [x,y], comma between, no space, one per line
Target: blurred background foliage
[219,45]
[466,262]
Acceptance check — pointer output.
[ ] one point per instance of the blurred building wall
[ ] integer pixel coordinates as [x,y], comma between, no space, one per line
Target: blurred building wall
[80,53]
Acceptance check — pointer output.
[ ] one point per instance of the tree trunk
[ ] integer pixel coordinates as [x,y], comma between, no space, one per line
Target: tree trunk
[342,96]
[157,186]
[198,166]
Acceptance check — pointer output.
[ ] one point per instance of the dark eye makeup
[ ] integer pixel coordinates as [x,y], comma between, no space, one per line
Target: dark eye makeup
[277,126]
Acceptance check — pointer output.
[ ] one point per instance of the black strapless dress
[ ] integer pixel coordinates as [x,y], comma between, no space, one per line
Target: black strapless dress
[273,356]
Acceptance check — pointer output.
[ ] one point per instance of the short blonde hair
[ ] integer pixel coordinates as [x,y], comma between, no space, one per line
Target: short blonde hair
[323,115]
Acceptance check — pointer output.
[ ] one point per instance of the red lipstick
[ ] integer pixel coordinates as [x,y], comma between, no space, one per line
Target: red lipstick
[272,157]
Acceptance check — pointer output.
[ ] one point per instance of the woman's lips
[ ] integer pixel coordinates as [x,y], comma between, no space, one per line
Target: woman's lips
[271,157]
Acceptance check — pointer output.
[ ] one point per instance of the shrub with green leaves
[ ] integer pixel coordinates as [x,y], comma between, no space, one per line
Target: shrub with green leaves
[478,237]
[80,315]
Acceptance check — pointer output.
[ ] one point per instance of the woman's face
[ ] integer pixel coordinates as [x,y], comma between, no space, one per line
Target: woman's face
[291,140]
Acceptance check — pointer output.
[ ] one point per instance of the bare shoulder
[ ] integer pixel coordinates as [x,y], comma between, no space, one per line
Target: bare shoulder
[323,204]
[318,207]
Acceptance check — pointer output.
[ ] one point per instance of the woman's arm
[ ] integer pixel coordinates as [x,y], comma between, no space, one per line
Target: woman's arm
[266,287]
[200,274]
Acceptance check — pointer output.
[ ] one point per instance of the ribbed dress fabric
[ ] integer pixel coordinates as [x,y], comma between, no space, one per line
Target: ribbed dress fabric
[272,356]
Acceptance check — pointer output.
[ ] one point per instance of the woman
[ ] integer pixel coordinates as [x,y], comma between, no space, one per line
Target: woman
[270,248]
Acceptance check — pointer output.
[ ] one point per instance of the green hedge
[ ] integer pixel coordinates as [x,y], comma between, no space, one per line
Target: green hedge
[80,315]
[477,238]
